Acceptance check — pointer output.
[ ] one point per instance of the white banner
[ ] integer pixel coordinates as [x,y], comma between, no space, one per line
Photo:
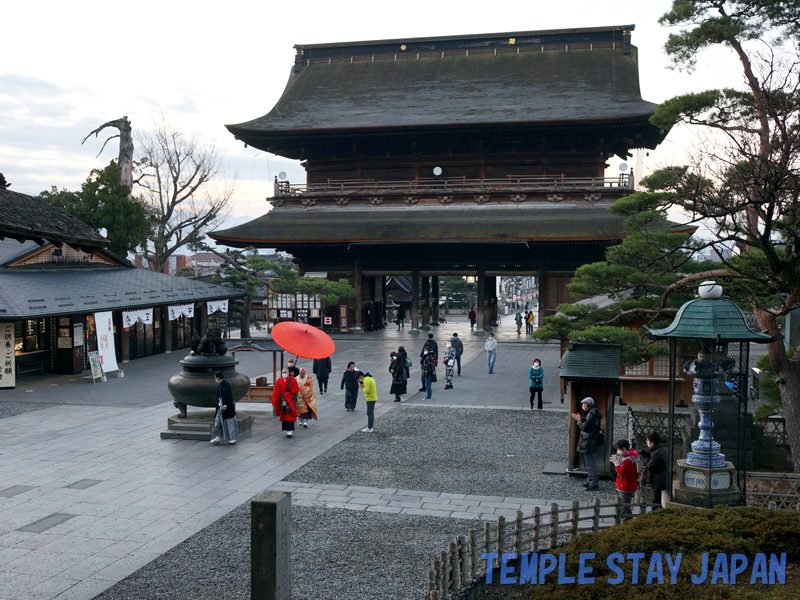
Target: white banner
[7,378]
[180,309]
[129,317]
[104,328]
[215,305]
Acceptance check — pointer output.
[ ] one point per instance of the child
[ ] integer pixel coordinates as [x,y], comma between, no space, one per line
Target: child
[624,462]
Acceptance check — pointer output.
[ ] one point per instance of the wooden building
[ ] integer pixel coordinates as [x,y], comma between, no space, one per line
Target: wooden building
[478,155]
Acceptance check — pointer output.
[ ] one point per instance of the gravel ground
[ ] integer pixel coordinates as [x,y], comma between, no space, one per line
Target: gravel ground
[461,451]
[12,409]
[340,554]
[336,554]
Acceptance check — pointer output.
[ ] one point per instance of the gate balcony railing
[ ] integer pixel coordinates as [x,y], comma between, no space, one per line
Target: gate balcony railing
[505,185]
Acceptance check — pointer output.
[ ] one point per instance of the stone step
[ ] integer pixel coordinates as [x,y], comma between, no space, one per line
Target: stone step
[196,427]
[186,435]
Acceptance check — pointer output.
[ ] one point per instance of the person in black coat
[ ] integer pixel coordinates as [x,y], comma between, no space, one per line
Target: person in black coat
[350,386]
[322,369]
[587,443]
[397,368]
[225,424]
[655,471]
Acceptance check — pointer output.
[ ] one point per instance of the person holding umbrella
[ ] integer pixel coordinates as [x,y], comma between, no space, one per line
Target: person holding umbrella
[283,400]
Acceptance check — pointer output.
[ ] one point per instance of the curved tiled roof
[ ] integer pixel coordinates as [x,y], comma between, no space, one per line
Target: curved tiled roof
[23,217]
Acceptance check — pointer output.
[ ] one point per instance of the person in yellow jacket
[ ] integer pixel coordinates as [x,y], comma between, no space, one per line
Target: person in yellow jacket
[367,383]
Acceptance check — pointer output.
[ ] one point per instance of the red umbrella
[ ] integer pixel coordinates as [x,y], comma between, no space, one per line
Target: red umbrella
[303,340]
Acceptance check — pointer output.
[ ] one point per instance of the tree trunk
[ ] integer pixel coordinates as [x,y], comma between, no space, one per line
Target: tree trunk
[787,373]
[245,327]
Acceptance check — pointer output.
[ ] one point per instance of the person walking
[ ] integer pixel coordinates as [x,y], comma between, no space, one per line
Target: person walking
[472,317]
[589,424]
[431,345]
[306,399]
[428,371]
[655,471]
[367,383]
[449,365]
[399,380]
[459,346]
[350,386]
[536,377]
[283,401]
[322,369]
[401,317]
[518,319]
[624,462]
[225,425]
[491,351]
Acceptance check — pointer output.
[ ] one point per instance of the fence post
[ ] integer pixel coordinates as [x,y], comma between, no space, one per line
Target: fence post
[553,525]
[437,567]
[575,511]
[537,525]
[518,533]
[473,550]
[445,575]
[618,512]
[464,566]
[642,507]
[487,535]
[772,505]
[455,577]
[596,517]
[431,586]
[501,536]
[270,546]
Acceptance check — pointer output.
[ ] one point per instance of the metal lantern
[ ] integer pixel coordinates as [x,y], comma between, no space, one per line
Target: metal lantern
[708,462]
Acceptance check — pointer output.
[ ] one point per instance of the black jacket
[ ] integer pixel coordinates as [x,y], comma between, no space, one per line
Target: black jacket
[590,431]
[350,381]
[224,392]
[457,344]
[656,471]
[322,368]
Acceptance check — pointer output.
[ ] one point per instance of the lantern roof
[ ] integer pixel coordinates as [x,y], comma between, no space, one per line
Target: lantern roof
[710,318]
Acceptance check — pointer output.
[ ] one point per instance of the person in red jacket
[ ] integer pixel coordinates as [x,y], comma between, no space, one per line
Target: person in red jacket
[286,390]
[624,462]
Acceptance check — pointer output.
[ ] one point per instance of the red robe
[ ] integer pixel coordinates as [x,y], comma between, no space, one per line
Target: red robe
[280,388]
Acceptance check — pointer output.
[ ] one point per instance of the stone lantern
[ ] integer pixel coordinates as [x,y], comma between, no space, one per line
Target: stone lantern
[714,470]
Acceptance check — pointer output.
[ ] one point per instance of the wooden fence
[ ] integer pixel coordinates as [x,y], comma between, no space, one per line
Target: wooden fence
[461,564]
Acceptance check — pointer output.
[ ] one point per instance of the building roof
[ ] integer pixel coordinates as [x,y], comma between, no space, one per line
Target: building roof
[710,319]
[29,293]
[23,217]
[542,78]
[10,250]
[596,362]
[453,223]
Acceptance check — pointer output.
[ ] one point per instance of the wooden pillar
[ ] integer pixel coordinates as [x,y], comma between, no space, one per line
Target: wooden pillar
[414,300]
[357,285]
[542,280]
[125,344]
[435,300]
[481,285]
[488,293]
[168,326]
[426,302]
[492,294]
[383,300]
[301,269]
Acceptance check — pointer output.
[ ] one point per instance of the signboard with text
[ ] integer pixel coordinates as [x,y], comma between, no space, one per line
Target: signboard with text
[7,374]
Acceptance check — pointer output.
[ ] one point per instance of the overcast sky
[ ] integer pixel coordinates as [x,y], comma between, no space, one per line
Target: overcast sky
[68,67]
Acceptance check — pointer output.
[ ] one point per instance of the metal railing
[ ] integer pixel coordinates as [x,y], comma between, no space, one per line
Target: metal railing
[506,185]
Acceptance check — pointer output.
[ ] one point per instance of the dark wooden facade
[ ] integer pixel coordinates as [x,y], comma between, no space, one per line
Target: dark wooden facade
[473,155]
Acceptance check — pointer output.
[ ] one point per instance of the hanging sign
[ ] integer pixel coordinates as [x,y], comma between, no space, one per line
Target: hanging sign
[104,327]
[302,315]
[7,375]
[180,309]
[129,317]
[215,305]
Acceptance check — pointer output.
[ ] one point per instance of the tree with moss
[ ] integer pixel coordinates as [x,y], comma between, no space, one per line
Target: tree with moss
[104,203]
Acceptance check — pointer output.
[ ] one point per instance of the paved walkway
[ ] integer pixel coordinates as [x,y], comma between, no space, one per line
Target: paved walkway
[418,502]
[89,493]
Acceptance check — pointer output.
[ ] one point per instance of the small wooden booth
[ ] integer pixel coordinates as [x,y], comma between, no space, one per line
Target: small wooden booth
[262,386]
[591,370]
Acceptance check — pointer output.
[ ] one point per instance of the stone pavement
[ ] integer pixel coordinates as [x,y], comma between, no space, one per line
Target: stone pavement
[89,493]
[418,502]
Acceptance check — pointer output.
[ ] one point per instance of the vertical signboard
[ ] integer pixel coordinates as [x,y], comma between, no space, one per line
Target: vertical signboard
[7,376]
[105,341]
